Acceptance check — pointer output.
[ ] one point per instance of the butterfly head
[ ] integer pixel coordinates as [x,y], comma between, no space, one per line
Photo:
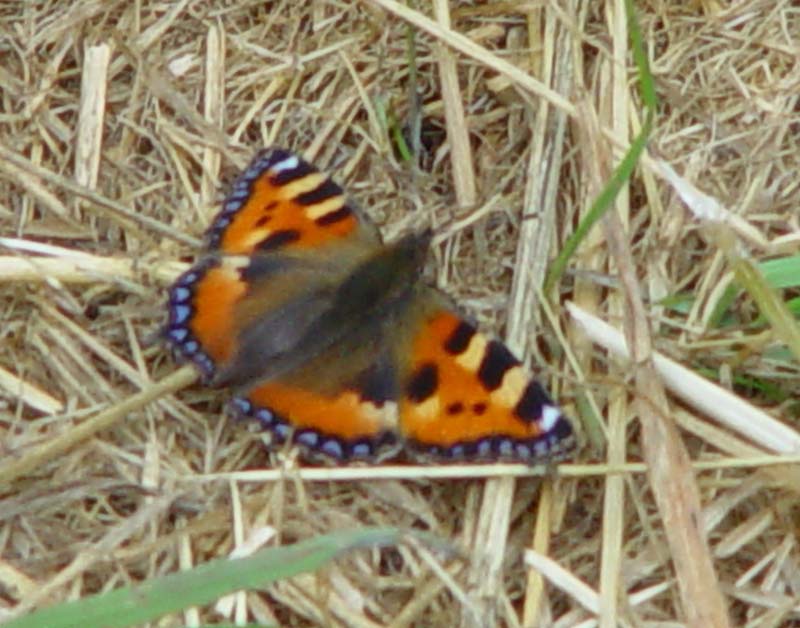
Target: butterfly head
[411,251]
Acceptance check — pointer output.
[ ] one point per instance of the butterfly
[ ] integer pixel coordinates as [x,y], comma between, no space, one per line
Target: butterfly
[331,339]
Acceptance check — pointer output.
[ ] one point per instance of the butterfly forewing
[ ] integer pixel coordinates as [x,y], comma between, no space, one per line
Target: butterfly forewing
[465,396]
[280,201]
[275,200]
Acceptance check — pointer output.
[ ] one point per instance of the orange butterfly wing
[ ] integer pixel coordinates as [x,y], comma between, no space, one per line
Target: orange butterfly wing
[466,397]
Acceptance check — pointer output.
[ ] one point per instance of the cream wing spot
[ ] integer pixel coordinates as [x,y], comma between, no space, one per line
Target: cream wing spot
[512,388]
[429,409]
[255,237]
[329,206]
[233,264]
[472,357]
[387,416]
[300,186]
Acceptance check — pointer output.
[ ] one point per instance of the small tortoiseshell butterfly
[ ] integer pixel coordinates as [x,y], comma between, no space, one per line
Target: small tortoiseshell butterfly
[331,339]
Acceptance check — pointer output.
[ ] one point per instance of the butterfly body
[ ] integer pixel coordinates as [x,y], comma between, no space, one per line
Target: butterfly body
[332,339]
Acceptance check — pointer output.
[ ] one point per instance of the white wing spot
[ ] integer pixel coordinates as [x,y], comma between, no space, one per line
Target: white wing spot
[550,416]
[290,163]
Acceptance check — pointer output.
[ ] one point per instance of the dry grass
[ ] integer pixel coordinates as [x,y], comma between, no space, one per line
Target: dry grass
[120,124]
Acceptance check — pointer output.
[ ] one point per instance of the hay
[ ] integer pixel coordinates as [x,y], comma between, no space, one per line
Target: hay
[121,124]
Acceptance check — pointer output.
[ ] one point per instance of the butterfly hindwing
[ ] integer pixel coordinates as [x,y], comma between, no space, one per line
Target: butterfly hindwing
[341,405]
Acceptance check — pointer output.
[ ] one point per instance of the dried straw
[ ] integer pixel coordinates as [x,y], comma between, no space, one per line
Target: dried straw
[122,124]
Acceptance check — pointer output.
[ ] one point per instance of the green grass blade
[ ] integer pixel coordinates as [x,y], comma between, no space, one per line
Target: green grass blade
[647,86]
[779,274]
[768,301]
[135,605]
[600,205]
[626,167]
[782,272]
